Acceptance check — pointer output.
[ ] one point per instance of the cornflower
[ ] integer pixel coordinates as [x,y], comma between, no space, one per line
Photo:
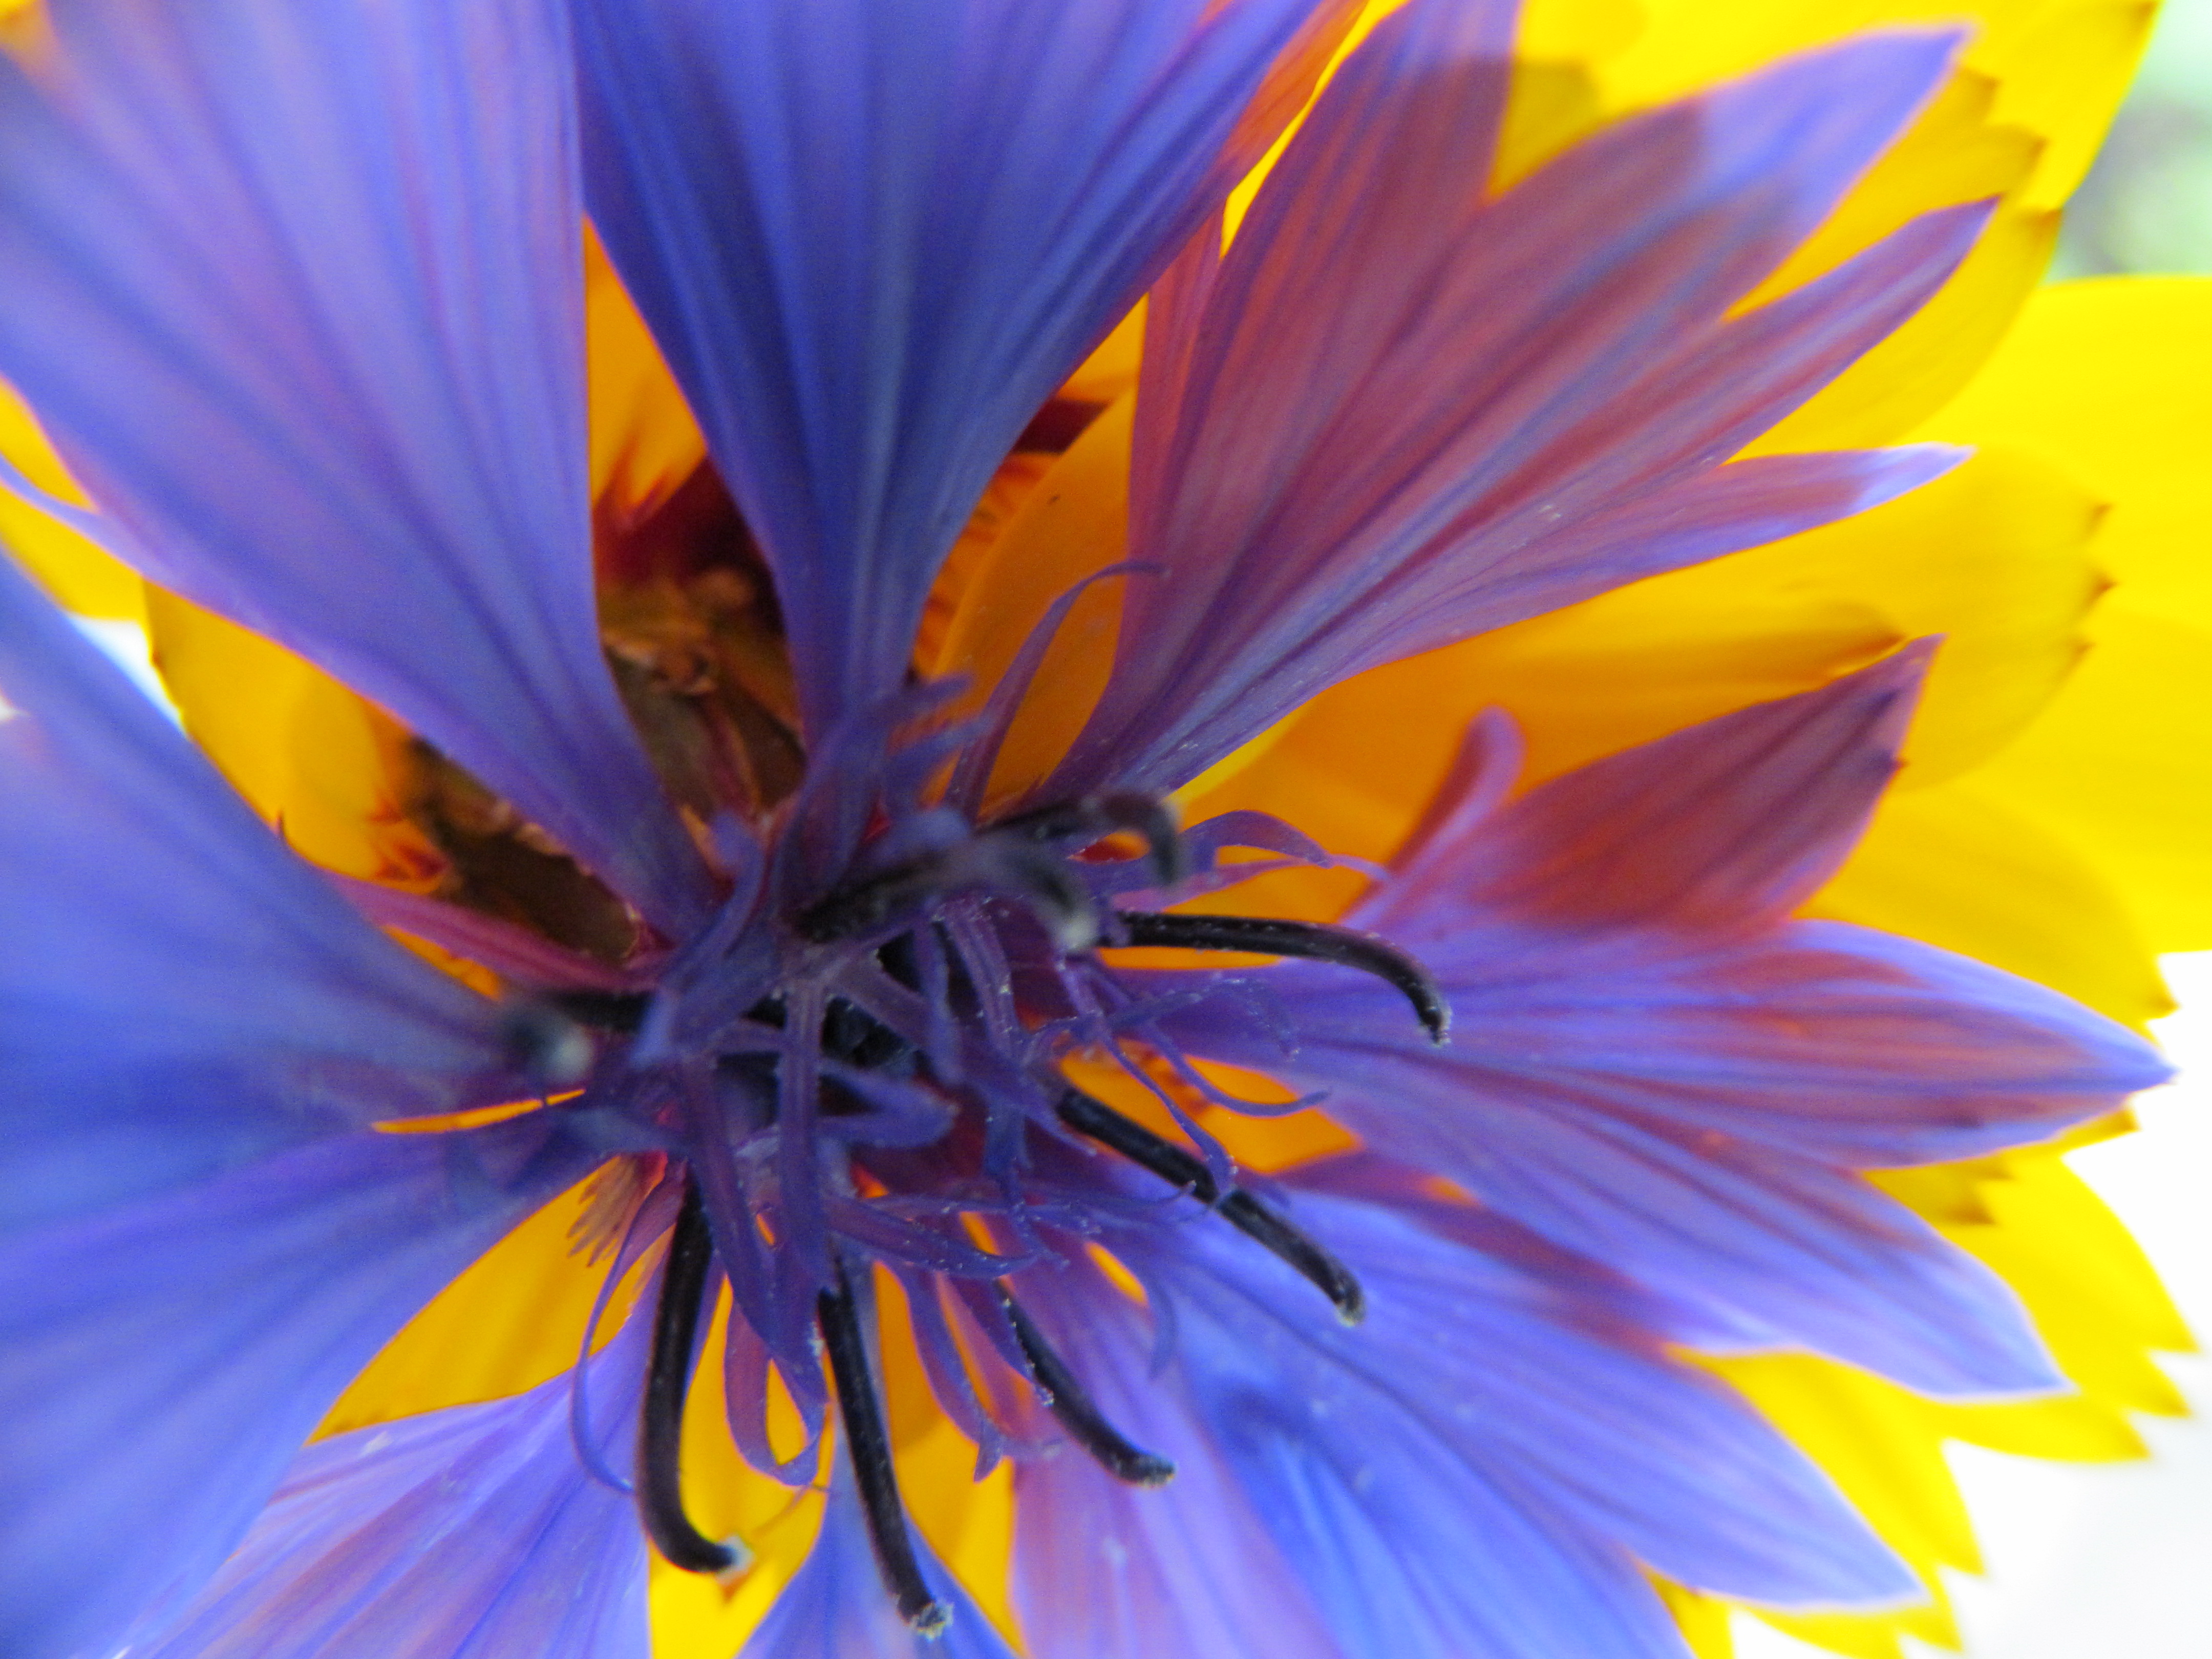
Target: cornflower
[785,963]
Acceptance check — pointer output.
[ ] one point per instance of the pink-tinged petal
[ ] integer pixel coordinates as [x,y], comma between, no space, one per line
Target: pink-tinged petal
[297,290]
[165,1360]
[472,1533]
[1727,826]
[1650,1063]
[178,991]
[873,236]
[1398,411]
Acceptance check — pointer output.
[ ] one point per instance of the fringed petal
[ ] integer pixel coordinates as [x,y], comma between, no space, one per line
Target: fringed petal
[1394,413]
[872,235]
[1651,1065]
[166,1359]
[178,993]
[472,1533]
[297,290]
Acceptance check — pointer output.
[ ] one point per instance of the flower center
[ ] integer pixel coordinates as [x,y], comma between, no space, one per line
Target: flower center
[894,1088]
[859,1065]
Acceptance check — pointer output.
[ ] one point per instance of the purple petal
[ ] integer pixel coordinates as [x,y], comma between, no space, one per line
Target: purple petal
[165,1360]
[297,290]
[1397,412]
[874,234]
[178,993]
[471,1532]
[1478,1466]
[835,1606]
[1650,1065]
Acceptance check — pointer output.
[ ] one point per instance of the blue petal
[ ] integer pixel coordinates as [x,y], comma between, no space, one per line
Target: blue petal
[1397,412]
[178,993]
[1102,1569]
[1484,1351]
[297,290]
[165,1360]
[467,1534]
[872,235]
[1650,1066]
[835,1606]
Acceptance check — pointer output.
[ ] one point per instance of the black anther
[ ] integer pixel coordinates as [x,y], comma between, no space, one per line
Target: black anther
[1076,1411]
[667,1379]
[867,1443]
[1254,1219]
[1310,941]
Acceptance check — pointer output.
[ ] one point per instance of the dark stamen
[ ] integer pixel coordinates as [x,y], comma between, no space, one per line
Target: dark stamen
[1075,1410]
[1267,936]
[1180,1168]
[1265,1228]
[868,1443]
[667,1379]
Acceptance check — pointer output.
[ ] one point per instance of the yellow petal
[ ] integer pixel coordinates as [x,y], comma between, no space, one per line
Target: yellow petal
[1958,870]
[2112,380]
[1994,556]
[934,643]
[2061,66]
[1704,1621]
[1074,521]
[969,1523]
[2097,1303]
[693,1616]
[1873,1440]
[2065,71]
[80,577]
[2038,84]
[1578,31]
[1958,150]
[2094,1297]
[514,1320]
[1938,349]
[1997,558]
[2120,766]
[314,758]
[1110,370]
